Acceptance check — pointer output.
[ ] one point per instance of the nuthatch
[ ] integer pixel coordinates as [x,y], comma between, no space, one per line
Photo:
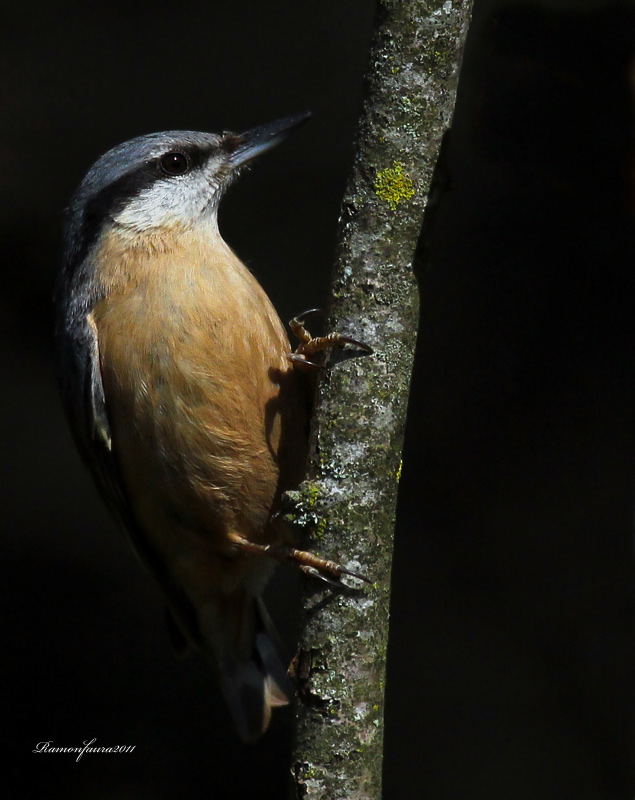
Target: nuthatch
[184,396]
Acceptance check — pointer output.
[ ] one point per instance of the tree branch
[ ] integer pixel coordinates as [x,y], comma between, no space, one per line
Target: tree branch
[360,415]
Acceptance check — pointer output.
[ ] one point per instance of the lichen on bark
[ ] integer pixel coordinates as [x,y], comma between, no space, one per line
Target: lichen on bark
[358,425]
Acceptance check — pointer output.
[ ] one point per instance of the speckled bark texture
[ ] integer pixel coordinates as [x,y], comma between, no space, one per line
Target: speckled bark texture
[359,422]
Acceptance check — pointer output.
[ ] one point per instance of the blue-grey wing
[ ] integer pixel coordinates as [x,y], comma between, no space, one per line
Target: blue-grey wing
[83,394]
[79,373]
[87,411]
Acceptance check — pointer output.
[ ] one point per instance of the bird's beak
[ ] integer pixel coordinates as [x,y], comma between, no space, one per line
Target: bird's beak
[242,147]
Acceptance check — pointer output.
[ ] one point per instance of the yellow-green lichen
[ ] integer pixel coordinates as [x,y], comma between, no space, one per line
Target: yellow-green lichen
[392,186]
[299,507]
[312,494]
[320,528]
[399,469]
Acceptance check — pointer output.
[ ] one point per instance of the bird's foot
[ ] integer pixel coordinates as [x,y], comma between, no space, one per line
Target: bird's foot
[328,571]
[311,346]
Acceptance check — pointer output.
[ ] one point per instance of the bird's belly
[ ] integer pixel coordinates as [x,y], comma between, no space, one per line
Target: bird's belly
[203,420]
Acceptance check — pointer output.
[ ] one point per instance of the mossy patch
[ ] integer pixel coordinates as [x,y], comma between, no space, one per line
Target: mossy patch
[393,186]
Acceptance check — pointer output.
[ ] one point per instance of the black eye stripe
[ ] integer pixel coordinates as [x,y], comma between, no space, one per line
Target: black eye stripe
[100,206]
[175,163]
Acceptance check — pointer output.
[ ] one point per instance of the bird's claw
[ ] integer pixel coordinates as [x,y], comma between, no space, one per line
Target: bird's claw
[313,345]
[300,319]
[298,358]
[329,571]
[315,573]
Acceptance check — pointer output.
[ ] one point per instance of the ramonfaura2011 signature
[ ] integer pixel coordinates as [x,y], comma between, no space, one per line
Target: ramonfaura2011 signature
[48,747]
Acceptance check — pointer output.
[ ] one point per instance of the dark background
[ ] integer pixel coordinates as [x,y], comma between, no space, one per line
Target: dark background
[511,658]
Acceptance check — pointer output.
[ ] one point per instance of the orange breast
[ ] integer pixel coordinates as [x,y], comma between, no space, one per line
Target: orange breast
[206,418]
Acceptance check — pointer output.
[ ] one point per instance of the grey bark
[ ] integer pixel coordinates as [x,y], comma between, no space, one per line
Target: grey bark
[350,496]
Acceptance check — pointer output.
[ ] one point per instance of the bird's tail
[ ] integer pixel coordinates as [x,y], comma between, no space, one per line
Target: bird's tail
[240,637]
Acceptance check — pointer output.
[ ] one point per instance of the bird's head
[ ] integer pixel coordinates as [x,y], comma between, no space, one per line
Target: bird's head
[163,181]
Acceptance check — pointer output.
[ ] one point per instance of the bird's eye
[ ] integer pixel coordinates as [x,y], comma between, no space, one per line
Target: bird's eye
[175,163]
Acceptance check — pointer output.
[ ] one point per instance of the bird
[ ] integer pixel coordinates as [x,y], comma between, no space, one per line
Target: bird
[185,398]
